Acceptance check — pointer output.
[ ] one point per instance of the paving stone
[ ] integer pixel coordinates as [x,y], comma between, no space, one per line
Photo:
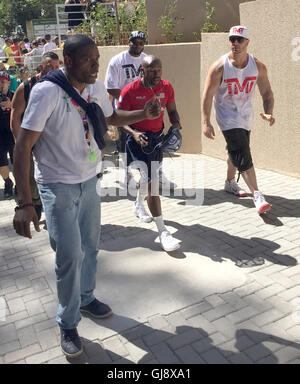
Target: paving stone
[242,315]
[8,333]
[43,357]
[9,347]
[196,309]
[138,351]
[115,347]
[188,355]
[95,352]
[157,321]
[48,338]
[31,320]
[22,353]
[287,354]
[27,336]
[164,355]
[267,317]
[185,338]
[34,307]
[16,305]
[157,337]
[213,356]
[240,358]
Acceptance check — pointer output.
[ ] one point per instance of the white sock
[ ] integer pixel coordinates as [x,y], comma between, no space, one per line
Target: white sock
[160,224]
[142,193]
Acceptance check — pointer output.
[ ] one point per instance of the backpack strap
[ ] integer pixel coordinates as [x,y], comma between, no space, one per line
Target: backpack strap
[26,91]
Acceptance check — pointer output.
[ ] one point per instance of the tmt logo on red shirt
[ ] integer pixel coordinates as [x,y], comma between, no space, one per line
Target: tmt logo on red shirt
[234,86]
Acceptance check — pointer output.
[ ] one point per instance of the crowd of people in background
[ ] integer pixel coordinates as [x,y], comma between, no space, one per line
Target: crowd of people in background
[25,54]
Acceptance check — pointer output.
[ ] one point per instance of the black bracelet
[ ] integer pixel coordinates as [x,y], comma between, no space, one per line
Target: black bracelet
[21,206]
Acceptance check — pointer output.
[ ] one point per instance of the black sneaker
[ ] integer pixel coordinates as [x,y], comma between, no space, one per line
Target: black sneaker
[8,188]
[97,309]
[70,342]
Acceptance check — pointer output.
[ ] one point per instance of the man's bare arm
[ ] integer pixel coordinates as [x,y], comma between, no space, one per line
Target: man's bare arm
[212,83]
[266,92]
[120,117]
[17,111]
[25,141]
[173,115]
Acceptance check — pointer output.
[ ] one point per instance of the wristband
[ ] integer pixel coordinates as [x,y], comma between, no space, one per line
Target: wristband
[21,206]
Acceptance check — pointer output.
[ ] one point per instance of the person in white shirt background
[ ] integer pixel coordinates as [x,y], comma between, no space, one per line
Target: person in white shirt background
[49,44]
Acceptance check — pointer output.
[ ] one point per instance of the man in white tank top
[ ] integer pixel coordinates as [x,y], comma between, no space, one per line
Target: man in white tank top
[230,84]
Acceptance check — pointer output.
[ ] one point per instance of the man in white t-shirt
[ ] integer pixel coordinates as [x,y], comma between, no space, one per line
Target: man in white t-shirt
[123,69]
[230,83]
[67,160]
[49,44]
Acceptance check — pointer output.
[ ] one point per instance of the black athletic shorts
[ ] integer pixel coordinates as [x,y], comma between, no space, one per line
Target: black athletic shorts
[238,147]
[151,156]
[3,155]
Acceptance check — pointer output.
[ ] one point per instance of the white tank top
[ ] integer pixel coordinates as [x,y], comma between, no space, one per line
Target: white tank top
[234,100]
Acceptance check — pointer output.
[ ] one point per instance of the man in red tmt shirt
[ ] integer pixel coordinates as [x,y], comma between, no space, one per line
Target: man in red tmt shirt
[142,144]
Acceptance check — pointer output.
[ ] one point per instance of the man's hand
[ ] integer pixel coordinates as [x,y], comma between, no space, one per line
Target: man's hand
[152,109]
[6,105]
[140,138]
[22,220]
[268,118]
[209,131]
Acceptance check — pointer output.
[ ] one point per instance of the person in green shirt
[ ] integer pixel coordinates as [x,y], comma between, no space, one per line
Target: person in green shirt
[9,52]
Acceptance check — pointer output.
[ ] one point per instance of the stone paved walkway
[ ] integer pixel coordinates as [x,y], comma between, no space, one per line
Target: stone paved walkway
[231,294]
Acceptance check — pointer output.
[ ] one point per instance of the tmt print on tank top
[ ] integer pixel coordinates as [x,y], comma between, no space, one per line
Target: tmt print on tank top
[235,88]
[131,72]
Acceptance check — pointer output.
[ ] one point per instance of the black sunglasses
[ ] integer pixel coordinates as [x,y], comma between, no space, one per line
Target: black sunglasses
[142,43]
[233,39]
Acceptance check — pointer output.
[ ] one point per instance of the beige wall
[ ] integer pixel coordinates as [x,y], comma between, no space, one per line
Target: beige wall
[275,148]
[193,11]
[272,38]
[181,63]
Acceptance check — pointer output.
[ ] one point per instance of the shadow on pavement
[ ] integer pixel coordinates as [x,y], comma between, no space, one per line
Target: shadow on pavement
[209,242]
[164,345]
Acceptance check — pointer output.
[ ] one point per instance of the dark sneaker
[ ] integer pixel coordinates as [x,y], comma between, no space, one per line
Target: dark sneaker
[70,342]
[8,188]
[97,309]
[38,210]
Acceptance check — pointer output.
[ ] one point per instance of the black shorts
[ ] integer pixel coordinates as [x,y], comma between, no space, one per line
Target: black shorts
[3,155]
[238,147]
[150,156]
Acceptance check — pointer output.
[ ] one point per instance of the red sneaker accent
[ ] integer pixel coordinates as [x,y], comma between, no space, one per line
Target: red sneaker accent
[264,208]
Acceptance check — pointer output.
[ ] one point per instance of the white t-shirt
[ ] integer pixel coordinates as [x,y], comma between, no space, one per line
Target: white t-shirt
[61,152]
[49,46]
[123,69]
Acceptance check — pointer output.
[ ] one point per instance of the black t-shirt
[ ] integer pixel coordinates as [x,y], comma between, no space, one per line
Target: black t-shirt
[6,136]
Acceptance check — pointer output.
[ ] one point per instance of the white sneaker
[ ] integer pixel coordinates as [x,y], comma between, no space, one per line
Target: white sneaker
[164,182]
[168,242]
[260,203]
[233,187]
[141,213]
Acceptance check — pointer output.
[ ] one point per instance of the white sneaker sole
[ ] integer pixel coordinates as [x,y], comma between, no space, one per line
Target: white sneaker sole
[174,248]
[237,194]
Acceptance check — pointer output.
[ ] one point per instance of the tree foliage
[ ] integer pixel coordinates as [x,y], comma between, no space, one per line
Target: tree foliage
[16,12]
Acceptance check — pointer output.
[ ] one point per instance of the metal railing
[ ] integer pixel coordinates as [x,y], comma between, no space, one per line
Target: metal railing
[31,64]
[104,31]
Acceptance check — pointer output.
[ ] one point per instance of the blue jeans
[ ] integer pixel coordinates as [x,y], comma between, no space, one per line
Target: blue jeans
[73,222]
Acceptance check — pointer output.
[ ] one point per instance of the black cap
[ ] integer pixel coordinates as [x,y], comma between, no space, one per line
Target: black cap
[137,35]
